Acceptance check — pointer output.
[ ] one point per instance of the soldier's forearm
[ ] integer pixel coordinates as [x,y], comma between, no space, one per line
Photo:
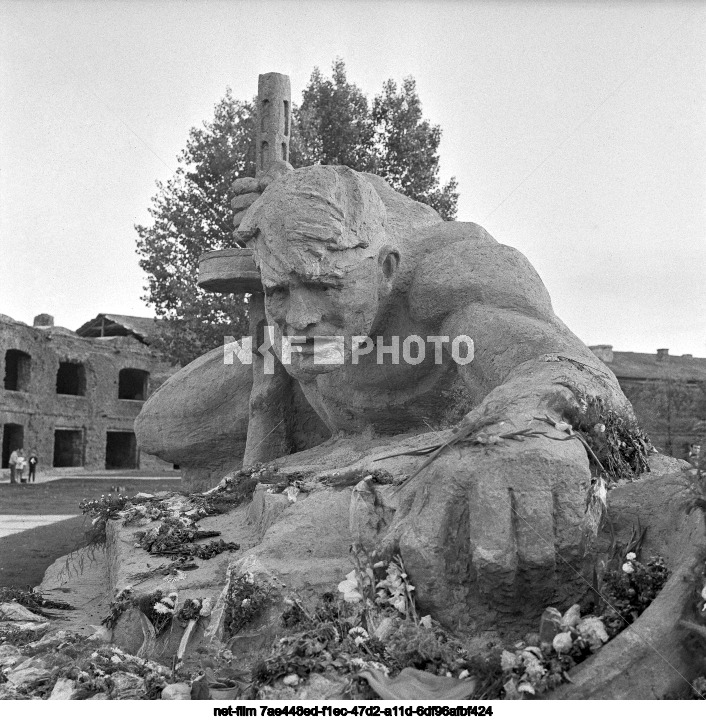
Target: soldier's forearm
[553,383]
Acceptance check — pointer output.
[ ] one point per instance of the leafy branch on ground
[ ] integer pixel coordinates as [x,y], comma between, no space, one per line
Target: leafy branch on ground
[178,536]
[32,601]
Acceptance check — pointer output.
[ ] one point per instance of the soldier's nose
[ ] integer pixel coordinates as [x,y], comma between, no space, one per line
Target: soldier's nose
[301,314]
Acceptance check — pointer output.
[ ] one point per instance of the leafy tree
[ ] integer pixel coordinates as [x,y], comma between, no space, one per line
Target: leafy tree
[191,213]
[407,148]
[334,123]
[336,126]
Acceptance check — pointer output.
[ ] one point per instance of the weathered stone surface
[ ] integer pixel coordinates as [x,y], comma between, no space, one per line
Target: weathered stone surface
[198,419]
[30,671]
[101,634]
[7,650]
[17,612]
[549,624]
[265,508]
[63,690]
[231,270]
[12,661]
[36,627]
[177,692]
[126,685]
[81,580]
[127,633]
[372,509]
[296,551]
[51,638]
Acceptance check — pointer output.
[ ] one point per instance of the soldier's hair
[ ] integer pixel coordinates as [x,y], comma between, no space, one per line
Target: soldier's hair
[336,206]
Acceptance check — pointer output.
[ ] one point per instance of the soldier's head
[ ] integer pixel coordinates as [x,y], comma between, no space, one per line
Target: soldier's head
[328,253]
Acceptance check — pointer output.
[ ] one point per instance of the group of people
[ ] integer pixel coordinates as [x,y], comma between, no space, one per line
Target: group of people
[20,464]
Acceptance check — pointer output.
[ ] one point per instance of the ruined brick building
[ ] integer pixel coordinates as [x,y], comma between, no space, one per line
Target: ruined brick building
[74,396]
[667,392]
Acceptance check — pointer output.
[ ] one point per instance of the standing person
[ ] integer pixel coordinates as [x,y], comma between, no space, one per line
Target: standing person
[33,461]
[13,465]
[21,462]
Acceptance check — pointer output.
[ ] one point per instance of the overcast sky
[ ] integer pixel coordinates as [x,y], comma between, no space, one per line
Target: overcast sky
[576,132]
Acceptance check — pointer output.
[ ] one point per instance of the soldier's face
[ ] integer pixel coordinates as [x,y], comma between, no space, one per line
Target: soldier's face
[315,293]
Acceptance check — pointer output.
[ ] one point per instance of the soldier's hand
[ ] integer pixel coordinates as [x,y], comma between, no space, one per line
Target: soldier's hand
[505,521]
[247,190]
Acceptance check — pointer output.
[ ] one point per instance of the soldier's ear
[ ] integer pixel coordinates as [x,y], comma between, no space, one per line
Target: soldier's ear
[389,261]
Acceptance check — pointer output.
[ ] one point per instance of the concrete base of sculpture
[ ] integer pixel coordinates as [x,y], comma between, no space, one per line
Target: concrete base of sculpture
[301,548]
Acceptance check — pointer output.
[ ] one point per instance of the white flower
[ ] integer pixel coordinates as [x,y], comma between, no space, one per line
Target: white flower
[562,426]
[349,589]
[562,642]
[161,608]
[508,660]
[593,630]
[628,567]
[359,635]
[291,680]
[631,557]
[571,617]
[205,608]
[245,603]
[599,428]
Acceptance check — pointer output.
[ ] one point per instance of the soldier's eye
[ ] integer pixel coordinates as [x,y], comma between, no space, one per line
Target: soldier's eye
[276,291]
[323,286]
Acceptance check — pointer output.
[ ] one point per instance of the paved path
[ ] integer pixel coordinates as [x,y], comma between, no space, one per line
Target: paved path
[97,474]
[17,524]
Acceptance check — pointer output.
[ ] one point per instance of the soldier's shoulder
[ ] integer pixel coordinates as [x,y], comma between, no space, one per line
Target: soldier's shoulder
[450,232]
[461,263]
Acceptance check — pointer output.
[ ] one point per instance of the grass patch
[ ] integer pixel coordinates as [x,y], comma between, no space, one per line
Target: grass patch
[25,556]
